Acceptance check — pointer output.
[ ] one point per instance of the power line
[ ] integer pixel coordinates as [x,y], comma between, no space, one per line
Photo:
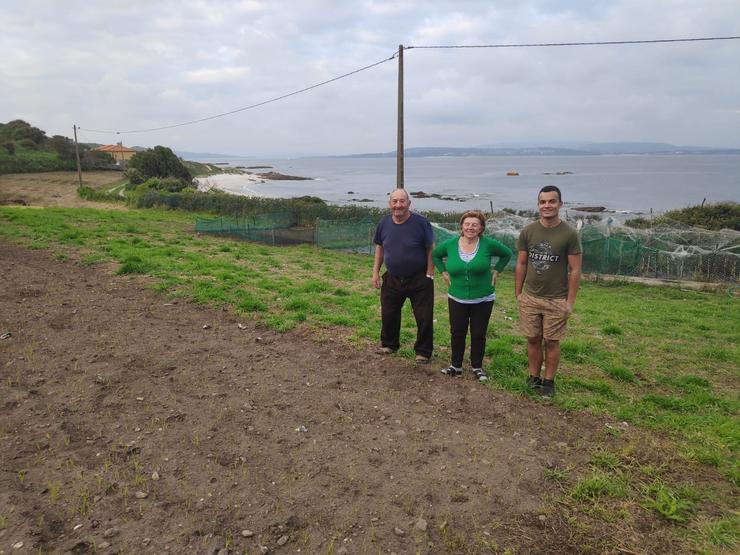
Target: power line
[237,110]
[546,44]
[395,54]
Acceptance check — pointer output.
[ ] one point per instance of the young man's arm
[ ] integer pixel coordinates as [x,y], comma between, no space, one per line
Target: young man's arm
[377,263]
[520,272]
[574,279]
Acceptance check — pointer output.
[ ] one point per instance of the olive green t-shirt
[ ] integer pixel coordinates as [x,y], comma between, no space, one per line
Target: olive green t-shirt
[547,258]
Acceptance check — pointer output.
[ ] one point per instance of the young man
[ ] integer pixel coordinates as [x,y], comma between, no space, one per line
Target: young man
[547,276]
[404,242]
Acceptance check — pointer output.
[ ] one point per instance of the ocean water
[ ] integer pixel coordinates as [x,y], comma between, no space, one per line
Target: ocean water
[631,184]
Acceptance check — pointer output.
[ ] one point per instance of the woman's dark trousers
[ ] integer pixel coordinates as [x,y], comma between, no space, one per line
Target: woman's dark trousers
[462,316]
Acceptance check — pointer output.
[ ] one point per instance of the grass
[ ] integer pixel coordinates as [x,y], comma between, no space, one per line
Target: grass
[664,360]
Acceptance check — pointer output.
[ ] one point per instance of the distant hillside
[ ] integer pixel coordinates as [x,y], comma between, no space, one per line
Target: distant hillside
[25,148]
[585,149]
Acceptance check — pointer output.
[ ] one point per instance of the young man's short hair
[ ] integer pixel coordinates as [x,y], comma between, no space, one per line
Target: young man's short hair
[550,189]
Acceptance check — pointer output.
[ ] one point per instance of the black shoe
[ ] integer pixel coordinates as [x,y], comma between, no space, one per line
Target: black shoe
[547,389]
[452,371]
[535,382]
[480,374]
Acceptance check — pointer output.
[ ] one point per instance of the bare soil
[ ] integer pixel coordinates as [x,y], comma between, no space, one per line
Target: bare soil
[131,423]
[52,188]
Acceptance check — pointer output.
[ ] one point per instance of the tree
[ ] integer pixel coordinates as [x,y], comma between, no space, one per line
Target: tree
[24,133]
[160,161]
[63,146]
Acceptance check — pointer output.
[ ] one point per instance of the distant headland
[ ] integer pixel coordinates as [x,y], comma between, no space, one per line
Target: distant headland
[584,149]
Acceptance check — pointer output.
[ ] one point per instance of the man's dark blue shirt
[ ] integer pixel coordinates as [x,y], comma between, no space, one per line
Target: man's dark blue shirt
[405,245]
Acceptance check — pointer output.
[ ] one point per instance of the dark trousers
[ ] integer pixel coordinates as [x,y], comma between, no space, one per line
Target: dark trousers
[462,316]
[393,293]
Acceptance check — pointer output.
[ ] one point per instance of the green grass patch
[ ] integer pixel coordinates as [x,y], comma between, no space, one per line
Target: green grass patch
[134,264]
[674,505]
[612,329]
[597,486]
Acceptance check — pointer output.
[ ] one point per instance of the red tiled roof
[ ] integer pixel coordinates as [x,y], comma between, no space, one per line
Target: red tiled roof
[114,148]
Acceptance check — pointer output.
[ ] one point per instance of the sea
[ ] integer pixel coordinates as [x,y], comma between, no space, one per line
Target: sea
[622,184]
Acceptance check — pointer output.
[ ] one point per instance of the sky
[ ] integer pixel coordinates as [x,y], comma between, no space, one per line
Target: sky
[123,66]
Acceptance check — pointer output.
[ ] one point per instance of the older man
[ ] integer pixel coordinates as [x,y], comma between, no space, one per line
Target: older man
[404,241]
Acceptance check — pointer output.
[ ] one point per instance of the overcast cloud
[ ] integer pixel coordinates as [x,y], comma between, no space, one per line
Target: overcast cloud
[140,64]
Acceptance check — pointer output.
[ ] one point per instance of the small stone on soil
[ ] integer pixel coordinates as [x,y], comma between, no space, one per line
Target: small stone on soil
[283,540]
[399,531]
[421,524]
[247,533]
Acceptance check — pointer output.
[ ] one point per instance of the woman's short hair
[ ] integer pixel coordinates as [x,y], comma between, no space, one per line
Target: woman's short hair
[474,214]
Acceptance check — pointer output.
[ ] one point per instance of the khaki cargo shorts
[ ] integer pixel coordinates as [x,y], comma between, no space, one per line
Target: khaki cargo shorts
[542,317]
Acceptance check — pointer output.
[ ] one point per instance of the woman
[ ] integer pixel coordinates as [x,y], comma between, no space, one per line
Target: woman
[465,263]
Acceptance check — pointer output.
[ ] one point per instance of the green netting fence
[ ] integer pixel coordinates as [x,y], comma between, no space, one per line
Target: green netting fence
[675,251]
[274,228]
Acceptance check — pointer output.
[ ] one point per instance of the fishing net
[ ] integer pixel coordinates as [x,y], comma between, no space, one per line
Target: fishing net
[669,251]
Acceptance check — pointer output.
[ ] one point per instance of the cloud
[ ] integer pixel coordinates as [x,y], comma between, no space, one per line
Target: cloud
[149,64]
[220,75]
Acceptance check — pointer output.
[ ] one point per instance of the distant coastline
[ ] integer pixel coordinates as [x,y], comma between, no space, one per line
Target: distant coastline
[571,149]
[613,149]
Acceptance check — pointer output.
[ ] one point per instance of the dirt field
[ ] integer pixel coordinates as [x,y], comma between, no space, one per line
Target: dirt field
[52,188]
[134,424]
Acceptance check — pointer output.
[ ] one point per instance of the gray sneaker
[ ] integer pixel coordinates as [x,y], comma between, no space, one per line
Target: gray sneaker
[480,374]
[452,371]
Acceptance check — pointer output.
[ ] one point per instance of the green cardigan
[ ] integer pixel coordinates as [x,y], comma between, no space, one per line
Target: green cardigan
[471,280]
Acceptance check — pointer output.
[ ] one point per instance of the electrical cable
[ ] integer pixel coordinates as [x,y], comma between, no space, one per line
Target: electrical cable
[546,44]
[230,112]
[395,54]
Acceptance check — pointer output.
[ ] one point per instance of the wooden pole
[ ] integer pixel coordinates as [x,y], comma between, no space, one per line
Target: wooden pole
[399,141]
[77,154]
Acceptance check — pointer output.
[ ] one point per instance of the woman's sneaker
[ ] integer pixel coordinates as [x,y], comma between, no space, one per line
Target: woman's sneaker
[480,374]
[452,371]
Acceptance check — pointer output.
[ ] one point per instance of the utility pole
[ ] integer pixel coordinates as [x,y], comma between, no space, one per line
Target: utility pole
[77,154]
[399,141]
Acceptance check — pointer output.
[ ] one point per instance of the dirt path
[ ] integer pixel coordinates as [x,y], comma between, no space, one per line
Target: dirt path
[141,425]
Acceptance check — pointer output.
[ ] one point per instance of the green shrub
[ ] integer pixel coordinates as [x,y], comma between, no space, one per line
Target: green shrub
[160,161]
[134,176]
[722,215]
